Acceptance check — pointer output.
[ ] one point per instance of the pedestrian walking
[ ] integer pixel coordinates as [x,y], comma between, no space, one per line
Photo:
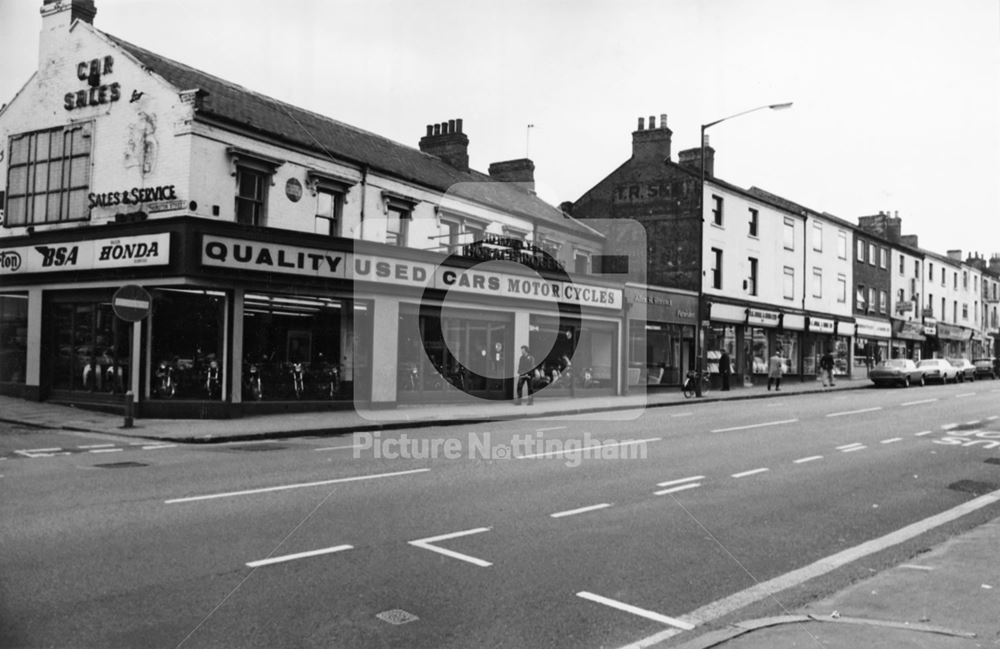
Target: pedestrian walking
[774,368]
[725,370]
[525,375]
[826,369]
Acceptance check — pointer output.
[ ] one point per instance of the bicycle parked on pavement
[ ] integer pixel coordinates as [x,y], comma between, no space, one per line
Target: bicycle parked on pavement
[691,384]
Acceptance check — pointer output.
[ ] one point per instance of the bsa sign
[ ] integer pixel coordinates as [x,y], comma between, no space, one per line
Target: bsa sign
[95,254]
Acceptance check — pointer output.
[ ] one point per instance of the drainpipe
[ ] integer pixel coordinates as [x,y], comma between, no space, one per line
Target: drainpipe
[364,193]
[805,283]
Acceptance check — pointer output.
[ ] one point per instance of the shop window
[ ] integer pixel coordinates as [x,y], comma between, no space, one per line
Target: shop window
[717,210]
[589,347]
[719,339]
[756,350]
[788,286]
[187,343]
[48,176]
[13,337]
[658,352]
[91,347]
[752,280]
[301,347]
[788,343]
[788,236]
[754,222]
[841,244]
[716,268]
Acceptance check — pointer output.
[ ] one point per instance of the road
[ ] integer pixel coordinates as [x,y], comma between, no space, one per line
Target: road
[500,535]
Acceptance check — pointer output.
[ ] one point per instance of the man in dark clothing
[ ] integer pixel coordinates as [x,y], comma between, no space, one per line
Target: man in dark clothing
[826,368]
[725,369]
[525,370]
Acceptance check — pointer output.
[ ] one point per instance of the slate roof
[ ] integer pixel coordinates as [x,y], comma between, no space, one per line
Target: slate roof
[232,104]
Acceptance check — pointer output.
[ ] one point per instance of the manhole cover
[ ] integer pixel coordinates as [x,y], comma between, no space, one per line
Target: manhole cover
[993,460]
[257,447]
[974,487]
[119,465]
[397,616]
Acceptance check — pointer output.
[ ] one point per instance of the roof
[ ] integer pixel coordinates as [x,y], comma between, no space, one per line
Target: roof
[232,104]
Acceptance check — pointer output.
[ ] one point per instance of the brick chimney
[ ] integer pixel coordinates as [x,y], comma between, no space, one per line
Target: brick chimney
[994,266]
[651,144]
[909,240]
[521,171]
[976,261]
[692,158]
[884,225]
[447,141]
[955,254]
[57,16]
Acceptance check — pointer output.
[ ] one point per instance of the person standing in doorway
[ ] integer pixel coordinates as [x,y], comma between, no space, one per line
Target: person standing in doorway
[725,370]
[826,369]
[774,368]
[525,372]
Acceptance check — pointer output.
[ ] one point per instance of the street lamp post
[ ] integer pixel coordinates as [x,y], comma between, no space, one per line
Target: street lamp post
[700,332]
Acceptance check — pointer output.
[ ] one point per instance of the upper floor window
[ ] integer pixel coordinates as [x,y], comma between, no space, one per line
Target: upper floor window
[860,247]
[965,311]
[817,236]
[754,222]
[930,271]
[965,279]
[883,302]
[902,265]
[817,283]
[251,195]
[842,244]
[955,280]
[842,288]
[752,280]
[788,288]
[859,298]
[331,194]
[716,268]
[900,296]
[916,268]
[581,261]
[789,234]
[716,209]
[48,176]
[397,225]
[944,275]
[872,296]
[872,254]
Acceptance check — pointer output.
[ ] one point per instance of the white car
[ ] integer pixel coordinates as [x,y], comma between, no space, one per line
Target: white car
[938,369]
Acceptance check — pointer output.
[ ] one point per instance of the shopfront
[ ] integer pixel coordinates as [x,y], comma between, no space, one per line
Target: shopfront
[871,343]
[272,321]
[826,334]
[953,341]
[661,330]
[908,339]
[753,335]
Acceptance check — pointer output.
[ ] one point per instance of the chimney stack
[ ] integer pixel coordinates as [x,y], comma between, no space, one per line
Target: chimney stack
[652,144]
[883,225]
[692,158]
[520,171]
[447,141]
[909,240]
[57,17]
[955,254]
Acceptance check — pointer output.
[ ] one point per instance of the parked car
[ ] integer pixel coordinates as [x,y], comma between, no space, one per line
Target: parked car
[938,369]
[898,371]
[966,370]
[986,368]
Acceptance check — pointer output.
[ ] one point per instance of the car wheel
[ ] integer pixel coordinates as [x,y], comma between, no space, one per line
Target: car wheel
[906,382]
[923,381]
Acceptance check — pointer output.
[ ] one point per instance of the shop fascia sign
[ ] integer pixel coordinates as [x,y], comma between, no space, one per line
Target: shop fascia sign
[873,328]
[97,93]
[240,254]
[930,326]
[95,254]
[821,325]
[762,317]
[492,247]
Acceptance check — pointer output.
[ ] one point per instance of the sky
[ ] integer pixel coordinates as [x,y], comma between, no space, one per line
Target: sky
[896,102]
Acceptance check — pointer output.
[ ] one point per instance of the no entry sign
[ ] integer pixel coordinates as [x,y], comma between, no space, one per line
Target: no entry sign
[131,303]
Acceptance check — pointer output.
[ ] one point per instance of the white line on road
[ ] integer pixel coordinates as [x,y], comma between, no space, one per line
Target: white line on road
[300,555]
[90,446]
[542,430]
[974,422]
[40,450]
[300,485]
[914,403]
[581,510]
[673,490]
[891,440]
[766,423]
[854,448]
[841,448]
[670,483]
[635,610]
[853,412]
[948,426]
[747,473]
[965,394]
[153,447]
[106,450]
[912,566]
[922,433]
[589,448]
[682,414]
[811,458]
[991,418]
[426,545]
[337,448]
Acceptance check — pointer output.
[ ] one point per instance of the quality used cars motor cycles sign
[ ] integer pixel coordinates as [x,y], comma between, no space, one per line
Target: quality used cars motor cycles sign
[226,252]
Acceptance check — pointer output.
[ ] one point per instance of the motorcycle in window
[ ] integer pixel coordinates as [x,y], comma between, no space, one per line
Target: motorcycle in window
[253,382]
[114,381]
[331,376]
[213,380]
[166,384]
[298,379]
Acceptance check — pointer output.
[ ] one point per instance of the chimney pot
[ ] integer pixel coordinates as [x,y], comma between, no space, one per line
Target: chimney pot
[458,125]
[451,126]
[430,130]
[663,120]
[437,129]
[652,122]
[642,123]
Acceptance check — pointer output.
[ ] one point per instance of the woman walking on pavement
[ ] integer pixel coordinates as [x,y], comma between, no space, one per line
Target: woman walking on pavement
[774,368]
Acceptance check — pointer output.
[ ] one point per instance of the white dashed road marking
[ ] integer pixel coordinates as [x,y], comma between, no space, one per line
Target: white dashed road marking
[922,433]
[581,510]
[635,610]
[749,473]
[766,423]
[300,555]
[670,483]
[965,394]
[426,544]
[841,448]
[948,426]
[914,403]
[853,412]
[569,451]
[891,440]
[106,450]
[854,448]
[91,446]
[673,490]
[337,448]
[811,458]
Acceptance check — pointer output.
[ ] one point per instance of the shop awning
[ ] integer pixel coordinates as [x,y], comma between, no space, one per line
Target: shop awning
[951,332]
[908,330]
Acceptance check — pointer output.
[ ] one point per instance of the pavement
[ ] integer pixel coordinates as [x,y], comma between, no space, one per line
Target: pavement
[947,598]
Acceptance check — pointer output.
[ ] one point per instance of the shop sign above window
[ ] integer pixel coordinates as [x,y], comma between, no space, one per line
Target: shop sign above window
[821,325]
[95,254]
[493,247]
[98,93]
[762,317]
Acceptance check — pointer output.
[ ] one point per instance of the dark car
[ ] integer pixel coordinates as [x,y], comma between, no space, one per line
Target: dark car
[986,368]
[966,370]
[898,371]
